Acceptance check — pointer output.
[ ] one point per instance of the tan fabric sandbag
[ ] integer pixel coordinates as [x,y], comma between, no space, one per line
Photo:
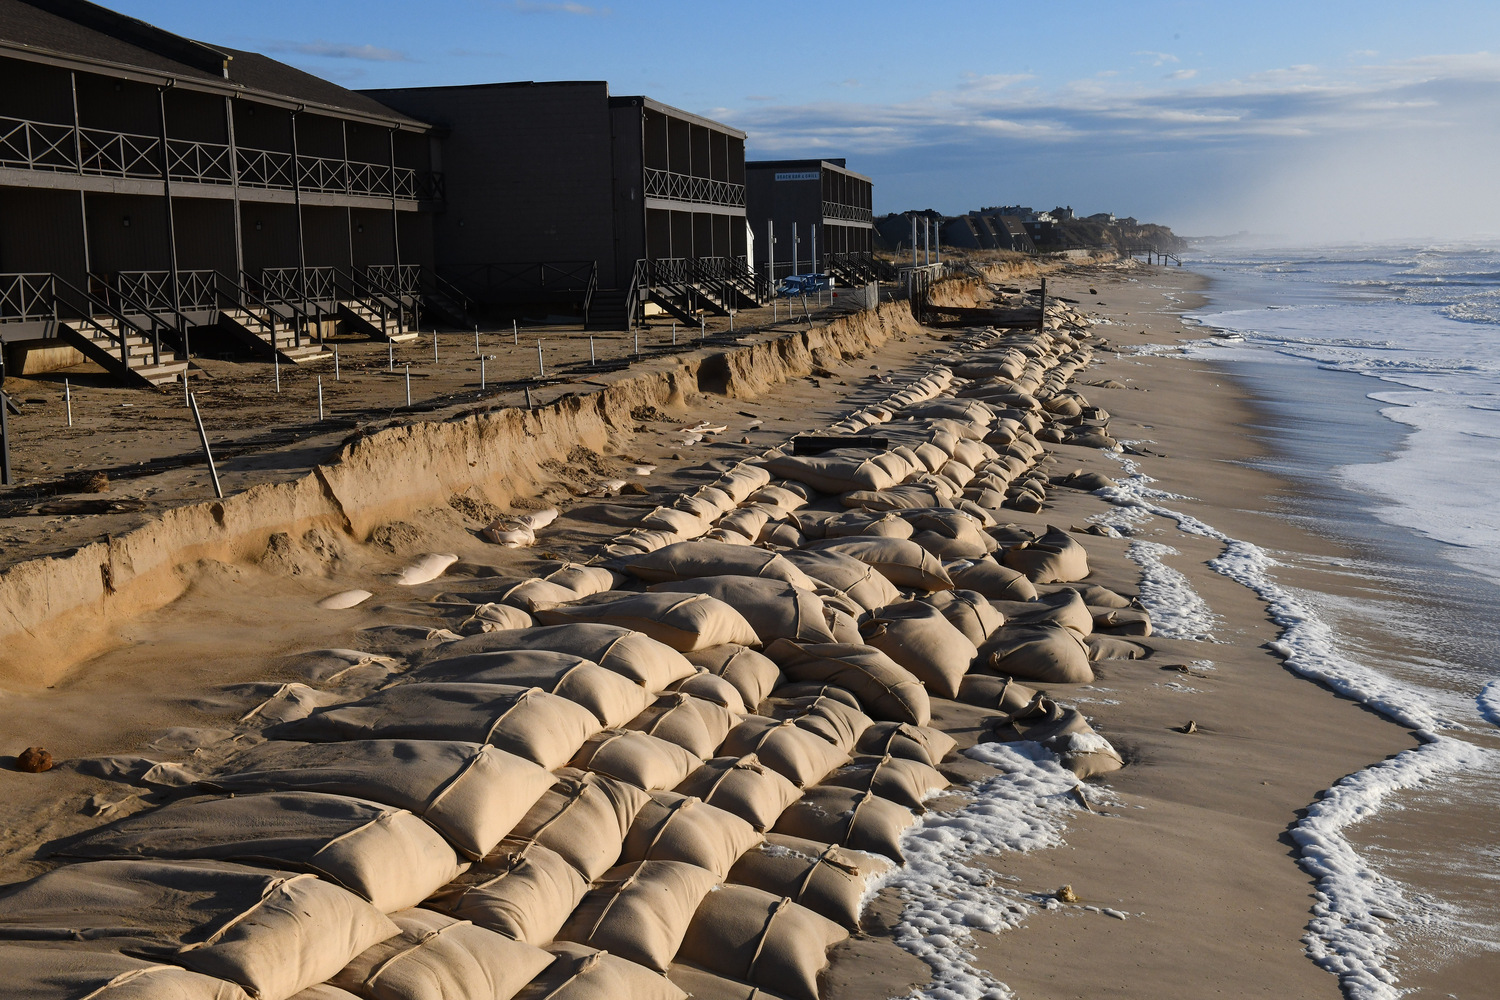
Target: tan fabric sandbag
[767,940]
[1066,733]
[885,689]
[682,621]
[273,933]
[688,560]
[529,722]
[774,609]
[903,562]
[743,786]
[864,522]
[986,576]
[968,611]
[676,827]
[696,725]
[701,984]
[861,581]
[830,718]
[474,794]
[1065,607]
[921,743]
[50,970]
[1055,557]
[640,911]
[710,687]
[800,756]
[1046,652]
[836,471]
[752,673]
[849,818]
[612,697]
[383,854]
[904,781]
[522,890]
[827,880]
[1001,694]
[645,761]
[1105,647]
[918,637]
[583,817]
[583,973]
[436,957]
[649,663]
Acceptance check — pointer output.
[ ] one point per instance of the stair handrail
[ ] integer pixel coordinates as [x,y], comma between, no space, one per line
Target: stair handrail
[449,290]
[86,314]
[144,308]
[397,293]
[292,306]
[638,275]
[360,291]
[588,291]
[243,298]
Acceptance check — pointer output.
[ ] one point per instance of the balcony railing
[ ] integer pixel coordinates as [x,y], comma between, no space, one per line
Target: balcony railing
[30,145]
[153,290]
[284,284]
[697,190]
[847,213]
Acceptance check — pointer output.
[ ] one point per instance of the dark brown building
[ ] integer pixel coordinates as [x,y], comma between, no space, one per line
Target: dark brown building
[151,185]
[830,207]
[558,190]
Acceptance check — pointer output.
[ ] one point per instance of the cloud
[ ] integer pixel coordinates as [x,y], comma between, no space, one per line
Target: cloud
[759,97]
[558,7]
[341,50]
[1182,74]
[1158,58]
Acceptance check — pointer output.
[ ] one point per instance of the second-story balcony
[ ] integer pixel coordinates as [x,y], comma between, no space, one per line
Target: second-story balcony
[697,190]
[30,145]
[847,213]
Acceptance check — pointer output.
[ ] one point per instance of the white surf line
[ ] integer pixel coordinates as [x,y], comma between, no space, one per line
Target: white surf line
[1488,702]
[1024,807]
[1347,935]
[1177,612]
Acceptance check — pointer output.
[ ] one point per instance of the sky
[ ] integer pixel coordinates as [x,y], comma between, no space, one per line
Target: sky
[1316,120]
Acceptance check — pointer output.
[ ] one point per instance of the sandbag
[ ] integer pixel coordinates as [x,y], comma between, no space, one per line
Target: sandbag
[885,689]
[612,698]
[986,576]
[921,743]
[1122,621]
[676,827]
[743,786]
[849,818]
[824,715]
[767,940]
[1046,652]
[50,970]
[710,687]
[1066,733]
[689,560]
[903,562]
[522,890]
[682,621]
[746,524]
[696,725]
[640,911]
[950,534]
[700,984]
[528,722]
[472,793]
[273,933]
[838,470]
[826,879]
[968,611]
[919,638]
[777,496]
[773,609]
[752,673]
[862,582]
[583,579]
[494,618]
[800,756]
[1093,595]
[1065,607]
[644,761]
[436,957]
[863,522]
[902,780]
[1055,557]
[383,854]
[583,817]
[1105,647]
[995,692]
[583,973]
[649,663]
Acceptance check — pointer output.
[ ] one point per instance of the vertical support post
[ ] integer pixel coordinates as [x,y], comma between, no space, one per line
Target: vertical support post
[335,362]
[301,252]
[515,333]
[320,399]
[396,238]
[1041,316]
[528,398]
[68,399]
[637,343]
[795,241]
[234,185]
[591,348]
[83,201]
[481,371]
[166,187]
[207,453]
[276,360]
[476,340]
[541,369]
[913,246]
[674,333]
[390,355]
[434,346]
[185,393]
[771,259]
[812,231]
[926,240]
[702,328]
[4,439]
[408,385]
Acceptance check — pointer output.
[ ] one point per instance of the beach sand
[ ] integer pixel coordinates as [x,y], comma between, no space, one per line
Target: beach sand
[1189,841]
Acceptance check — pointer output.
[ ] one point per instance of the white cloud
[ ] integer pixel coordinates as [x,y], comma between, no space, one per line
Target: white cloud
[1182,74]
[341,50]
[1158,58]
[558,7]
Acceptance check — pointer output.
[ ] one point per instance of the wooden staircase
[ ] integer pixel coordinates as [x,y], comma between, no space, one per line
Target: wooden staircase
[99,341]
[369,320]
[253,331]
[607,310]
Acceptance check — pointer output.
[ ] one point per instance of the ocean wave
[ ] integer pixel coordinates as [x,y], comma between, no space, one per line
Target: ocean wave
[1488,702]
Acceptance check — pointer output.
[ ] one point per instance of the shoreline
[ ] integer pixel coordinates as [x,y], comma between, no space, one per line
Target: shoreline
[1192,841]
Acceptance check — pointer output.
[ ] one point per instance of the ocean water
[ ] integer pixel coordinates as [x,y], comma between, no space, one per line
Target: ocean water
[1378,371]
